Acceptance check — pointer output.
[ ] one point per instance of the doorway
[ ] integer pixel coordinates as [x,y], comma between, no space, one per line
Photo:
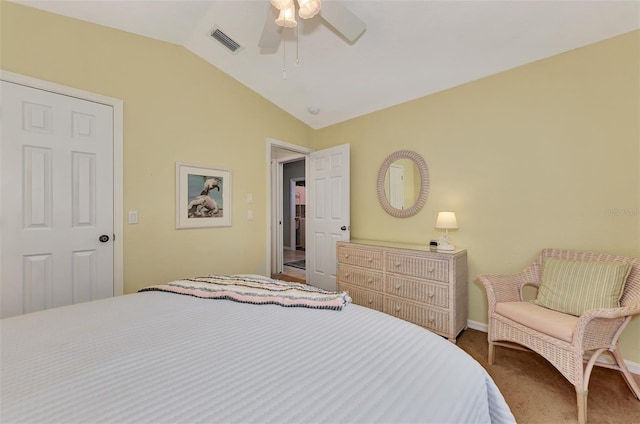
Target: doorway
[294,213]
[327,208]
[287,162]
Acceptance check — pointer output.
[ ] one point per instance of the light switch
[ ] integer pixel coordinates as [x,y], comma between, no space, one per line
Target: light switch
[250,215]
[133,217]
[249,198]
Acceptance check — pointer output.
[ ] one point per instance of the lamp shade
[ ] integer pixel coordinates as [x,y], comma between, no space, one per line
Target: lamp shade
[446,221]
[287,16]
[308,8]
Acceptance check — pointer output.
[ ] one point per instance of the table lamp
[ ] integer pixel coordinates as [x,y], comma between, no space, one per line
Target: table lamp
[446,221]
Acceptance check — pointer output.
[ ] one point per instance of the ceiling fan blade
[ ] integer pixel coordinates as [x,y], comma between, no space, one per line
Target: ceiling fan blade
[343,20]
[271,33]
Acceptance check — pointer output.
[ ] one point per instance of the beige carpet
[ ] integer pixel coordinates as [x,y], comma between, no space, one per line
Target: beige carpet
[538,394]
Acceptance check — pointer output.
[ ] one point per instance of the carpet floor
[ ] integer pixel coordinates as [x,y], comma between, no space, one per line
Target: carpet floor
[290,278]
[538,394]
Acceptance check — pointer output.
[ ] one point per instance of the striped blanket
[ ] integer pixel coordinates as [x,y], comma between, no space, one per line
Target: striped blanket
[255,289]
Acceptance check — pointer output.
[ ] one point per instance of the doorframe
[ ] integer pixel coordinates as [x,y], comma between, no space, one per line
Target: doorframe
[274,207]
[118,136]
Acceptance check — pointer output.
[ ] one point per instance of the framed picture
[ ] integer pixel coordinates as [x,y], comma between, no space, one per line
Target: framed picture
[203,196]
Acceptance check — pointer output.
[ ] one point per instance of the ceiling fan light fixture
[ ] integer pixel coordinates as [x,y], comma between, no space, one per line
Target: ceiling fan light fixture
[280,4]
[309,8]
[287,16]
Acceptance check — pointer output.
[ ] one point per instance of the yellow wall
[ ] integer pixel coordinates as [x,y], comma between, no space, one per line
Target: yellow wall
[177,107]
[530,158]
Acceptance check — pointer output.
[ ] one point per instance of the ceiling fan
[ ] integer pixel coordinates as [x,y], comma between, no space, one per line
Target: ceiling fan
[282,14]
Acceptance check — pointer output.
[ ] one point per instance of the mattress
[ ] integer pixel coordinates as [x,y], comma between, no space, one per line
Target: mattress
[157,357]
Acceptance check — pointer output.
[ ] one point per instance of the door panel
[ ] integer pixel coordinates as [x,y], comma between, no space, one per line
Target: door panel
[327,213]
[36,174]
[38,282]
[57,199]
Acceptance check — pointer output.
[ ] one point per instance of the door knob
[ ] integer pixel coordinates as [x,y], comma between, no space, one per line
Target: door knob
[103,238]
[343,228]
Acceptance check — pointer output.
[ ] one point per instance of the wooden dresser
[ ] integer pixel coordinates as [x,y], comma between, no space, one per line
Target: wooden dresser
[408,281]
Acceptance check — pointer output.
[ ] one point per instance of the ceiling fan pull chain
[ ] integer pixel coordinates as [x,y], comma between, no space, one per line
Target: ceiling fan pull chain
[284,58]
[297,48]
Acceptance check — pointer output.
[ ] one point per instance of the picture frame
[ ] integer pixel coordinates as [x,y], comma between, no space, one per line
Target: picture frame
[203,196]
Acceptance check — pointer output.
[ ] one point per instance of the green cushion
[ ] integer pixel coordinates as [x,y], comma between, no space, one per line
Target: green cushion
[574,287]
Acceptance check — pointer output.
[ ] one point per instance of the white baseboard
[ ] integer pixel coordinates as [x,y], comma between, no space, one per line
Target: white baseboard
[475,325]
[634,367]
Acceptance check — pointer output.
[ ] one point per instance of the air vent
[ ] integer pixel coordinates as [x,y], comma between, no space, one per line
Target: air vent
[225,40]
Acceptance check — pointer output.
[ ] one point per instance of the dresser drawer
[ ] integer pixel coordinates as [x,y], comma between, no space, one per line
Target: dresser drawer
[433,269]
[408,281]
[360,277]
[363,297]
[418,291]
[433,319]
[360,257]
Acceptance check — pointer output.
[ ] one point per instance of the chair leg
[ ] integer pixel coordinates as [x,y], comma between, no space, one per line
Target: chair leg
[492,354]
[582,405]
[625,372]
[581,386]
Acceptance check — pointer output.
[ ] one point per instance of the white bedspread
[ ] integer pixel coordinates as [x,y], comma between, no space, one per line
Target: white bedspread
[157,357]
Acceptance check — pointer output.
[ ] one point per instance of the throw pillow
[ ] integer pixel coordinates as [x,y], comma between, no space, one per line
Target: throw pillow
[574,287]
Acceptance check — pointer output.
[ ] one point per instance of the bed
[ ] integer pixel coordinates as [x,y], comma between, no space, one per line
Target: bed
[161,357]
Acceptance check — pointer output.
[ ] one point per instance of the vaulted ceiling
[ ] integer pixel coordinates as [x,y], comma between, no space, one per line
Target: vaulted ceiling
[409,48]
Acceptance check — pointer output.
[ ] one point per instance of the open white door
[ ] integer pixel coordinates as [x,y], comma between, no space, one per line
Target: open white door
[327,213]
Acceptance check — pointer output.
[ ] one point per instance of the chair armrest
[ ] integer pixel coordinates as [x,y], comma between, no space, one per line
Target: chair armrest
[623,311]
[602,325]
[504,288]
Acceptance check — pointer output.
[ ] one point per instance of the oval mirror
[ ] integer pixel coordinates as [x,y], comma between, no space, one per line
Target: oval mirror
[403,183]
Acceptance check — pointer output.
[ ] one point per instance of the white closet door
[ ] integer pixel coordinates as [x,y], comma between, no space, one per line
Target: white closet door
[57,200]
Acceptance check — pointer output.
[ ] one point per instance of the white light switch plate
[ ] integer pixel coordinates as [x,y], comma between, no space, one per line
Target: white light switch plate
[133,217]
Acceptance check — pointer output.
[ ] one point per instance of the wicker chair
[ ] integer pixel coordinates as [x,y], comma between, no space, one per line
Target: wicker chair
[596,331]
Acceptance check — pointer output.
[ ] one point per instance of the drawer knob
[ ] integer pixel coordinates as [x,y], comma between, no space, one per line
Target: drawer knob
[431,268]
[346,275]
[370,301]
[370,280]
[431,293]
[346,255]
[398,264]
[397,309]
[369,259]
[398,286]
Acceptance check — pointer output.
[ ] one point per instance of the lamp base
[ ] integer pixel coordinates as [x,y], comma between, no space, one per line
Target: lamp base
[443,243]
[447,248]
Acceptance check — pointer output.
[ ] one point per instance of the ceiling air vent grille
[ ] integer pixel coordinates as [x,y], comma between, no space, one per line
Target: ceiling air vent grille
[225,40]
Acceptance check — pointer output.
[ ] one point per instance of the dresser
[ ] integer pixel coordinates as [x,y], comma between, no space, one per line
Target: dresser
[408,281]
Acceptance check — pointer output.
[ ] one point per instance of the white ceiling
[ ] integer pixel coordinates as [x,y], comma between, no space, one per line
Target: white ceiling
[410,48]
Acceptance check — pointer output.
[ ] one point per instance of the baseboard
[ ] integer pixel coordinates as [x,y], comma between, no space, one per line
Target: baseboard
[634,367]
[475,325]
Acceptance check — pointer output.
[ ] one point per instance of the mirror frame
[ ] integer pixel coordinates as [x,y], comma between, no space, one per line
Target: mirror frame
[424,183]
